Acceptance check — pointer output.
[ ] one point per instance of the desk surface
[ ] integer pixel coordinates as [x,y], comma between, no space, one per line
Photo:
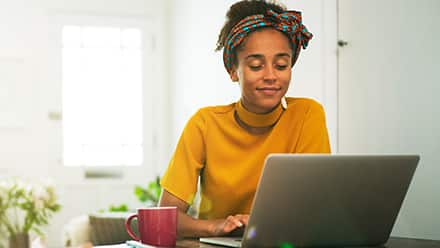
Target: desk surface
[392,243]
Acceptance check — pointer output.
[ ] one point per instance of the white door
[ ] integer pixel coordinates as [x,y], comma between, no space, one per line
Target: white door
[388,95]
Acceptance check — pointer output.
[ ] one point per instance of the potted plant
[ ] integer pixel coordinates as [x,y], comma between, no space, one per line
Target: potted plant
[25,208]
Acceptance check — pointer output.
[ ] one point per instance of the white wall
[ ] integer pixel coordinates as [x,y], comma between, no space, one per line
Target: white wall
[197,74]
[388,96]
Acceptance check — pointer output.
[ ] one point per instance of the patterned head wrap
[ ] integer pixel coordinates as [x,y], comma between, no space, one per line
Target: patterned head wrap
[289,22]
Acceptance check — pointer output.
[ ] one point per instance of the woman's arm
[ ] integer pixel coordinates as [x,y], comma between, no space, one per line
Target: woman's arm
[188,226]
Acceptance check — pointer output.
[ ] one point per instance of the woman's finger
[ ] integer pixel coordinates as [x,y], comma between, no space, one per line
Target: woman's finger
[243,218]
[236,221]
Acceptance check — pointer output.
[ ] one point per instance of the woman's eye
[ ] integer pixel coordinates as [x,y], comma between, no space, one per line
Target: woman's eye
[281,67]
[255,67]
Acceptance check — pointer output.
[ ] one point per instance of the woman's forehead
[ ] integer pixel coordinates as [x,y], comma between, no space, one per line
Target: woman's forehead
[266,41]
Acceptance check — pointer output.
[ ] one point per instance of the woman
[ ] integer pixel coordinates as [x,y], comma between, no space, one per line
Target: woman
[226,145]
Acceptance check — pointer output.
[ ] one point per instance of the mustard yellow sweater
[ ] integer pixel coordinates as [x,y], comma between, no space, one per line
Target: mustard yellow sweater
[229,159]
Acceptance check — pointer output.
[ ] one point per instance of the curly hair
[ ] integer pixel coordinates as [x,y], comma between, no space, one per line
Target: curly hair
[239,11]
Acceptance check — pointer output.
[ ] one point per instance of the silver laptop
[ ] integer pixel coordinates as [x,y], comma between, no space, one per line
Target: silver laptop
[326,200]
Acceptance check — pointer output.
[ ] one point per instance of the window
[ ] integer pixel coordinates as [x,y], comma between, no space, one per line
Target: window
[102,95]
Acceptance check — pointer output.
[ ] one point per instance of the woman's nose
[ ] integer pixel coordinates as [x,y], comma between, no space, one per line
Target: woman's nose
[269,74]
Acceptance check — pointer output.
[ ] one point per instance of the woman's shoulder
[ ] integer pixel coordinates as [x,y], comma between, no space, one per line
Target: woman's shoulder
[302,103]
[218,109]
[205,114]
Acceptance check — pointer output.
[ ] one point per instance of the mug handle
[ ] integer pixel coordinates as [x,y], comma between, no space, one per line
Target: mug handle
[128,227]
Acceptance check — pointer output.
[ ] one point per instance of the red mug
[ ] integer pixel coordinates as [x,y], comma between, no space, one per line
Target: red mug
[157,226]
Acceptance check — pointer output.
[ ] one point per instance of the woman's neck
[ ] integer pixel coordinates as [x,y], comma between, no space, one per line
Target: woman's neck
[256,123]
[250,129]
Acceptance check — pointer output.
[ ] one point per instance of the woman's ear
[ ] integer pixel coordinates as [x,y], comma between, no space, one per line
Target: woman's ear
[233,74]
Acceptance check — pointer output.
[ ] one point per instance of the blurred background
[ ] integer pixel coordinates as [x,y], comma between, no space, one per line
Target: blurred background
[94,94]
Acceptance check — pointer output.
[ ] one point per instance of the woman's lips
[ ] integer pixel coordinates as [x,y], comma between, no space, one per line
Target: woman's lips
[268,91]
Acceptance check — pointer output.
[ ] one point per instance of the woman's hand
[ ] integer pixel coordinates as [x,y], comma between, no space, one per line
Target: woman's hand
[223,227]
[187,226]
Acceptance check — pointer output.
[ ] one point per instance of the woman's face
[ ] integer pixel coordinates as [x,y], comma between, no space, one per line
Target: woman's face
[263,69]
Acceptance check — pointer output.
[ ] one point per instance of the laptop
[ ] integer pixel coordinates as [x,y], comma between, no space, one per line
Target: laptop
[325,200]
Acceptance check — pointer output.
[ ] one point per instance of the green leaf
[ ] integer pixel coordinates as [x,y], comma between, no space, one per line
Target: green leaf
[120,208]
[149,195]
[140,193]
[38,231]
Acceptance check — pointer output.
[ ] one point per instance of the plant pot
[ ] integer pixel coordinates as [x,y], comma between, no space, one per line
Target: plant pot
[19,240]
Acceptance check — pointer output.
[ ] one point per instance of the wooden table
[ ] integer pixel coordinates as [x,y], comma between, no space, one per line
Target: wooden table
[393,242]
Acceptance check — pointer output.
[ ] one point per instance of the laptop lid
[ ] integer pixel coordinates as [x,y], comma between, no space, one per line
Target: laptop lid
[328,200]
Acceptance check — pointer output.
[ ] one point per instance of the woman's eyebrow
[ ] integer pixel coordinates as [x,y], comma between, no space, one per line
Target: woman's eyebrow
[282,55]
[260,56]
[254,56]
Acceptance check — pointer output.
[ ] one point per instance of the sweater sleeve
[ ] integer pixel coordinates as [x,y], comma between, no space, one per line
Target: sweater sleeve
[181,177]
[314,136]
